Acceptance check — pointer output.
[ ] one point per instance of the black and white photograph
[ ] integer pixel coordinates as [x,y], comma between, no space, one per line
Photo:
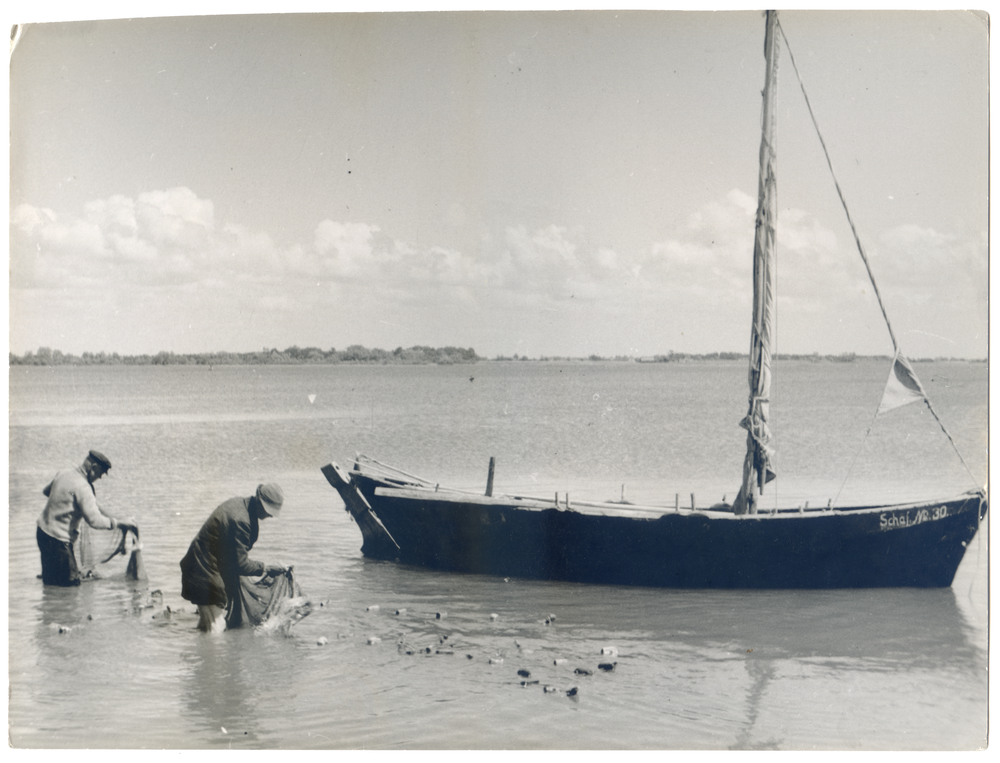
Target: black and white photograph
[567,379]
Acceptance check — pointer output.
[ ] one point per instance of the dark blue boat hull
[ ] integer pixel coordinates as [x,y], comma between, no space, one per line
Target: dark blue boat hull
[904,546]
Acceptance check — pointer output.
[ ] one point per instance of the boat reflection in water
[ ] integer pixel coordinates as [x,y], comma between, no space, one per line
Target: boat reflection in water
[896,637]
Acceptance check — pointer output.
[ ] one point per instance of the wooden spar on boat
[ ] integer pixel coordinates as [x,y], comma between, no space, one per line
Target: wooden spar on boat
[757,465]
[489,478]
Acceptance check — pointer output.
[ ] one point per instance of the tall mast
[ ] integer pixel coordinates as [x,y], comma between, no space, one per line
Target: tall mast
[757,465]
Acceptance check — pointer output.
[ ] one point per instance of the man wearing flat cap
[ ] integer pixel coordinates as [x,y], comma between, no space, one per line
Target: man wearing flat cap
[217,557]
[71,497]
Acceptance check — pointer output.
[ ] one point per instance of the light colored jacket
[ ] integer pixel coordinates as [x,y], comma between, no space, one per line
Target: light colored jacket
[71,498]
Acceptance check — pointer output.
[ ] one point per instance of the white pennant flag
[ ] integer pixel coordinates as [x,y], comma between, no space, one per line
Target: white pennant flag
[902,388]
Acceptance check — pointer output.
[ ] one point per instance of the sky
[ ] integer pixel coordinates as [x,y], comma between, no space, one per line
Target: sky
[539,183]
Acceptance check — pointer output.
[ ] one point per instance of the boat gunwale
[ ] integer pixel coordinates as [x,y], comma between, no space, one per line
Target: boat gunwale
[635,511]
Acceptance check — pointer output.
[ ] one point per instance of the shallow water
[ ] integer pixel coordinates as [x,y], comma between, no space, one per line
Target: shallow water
[882,669]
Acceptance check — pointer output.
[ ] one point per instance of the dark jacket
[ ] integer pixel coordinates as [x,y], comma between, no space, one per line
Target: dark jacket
[211,569]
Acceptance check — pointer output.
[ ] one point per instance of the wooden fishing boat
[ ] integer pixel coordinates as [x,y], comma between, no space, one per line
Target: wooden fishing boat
[414,521]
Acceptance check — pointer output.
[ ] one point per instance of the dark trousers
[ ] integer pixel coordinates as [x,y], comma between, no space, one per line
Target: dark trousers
[58,561]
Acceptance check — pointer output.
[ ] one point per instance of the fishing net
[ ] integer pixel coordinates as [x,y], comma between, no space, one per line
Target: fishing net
[97,551]
[270,604]
[88,548]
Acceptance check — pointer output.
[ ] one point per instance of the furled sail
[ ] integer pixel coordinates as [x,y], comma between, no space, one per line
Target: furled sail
[757,465]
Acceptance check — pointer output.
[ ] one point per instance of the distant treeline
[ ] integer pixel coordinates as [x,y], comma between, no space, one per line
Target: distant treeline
[678,357]
[844,357]
[673,356]
[681,357]
[417,355]
[291,356]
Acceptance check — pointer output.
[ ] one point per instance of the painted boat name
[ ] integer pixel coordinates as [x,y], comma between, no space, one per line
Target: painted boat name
[896,520]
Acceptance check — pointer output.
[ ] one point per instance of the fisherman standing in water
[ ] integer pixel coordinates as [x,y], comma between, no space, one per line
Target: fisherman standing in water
[72,497]
[217,557]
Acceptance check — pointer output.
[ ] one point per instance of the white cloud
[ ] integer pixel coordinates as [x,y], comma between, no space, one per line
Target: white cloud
[115,212]
[542,250]
[174,219]
[162,236]
[163,254]
[71,237]
[344,247]
[28,219]
[709,260]
[180,205]
[805,235]
[353,238]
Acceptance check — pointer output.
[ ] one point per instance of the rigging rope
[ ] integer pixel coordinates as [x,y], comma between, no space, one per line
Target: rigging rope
[387,469]
[864,259]
[850,469]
